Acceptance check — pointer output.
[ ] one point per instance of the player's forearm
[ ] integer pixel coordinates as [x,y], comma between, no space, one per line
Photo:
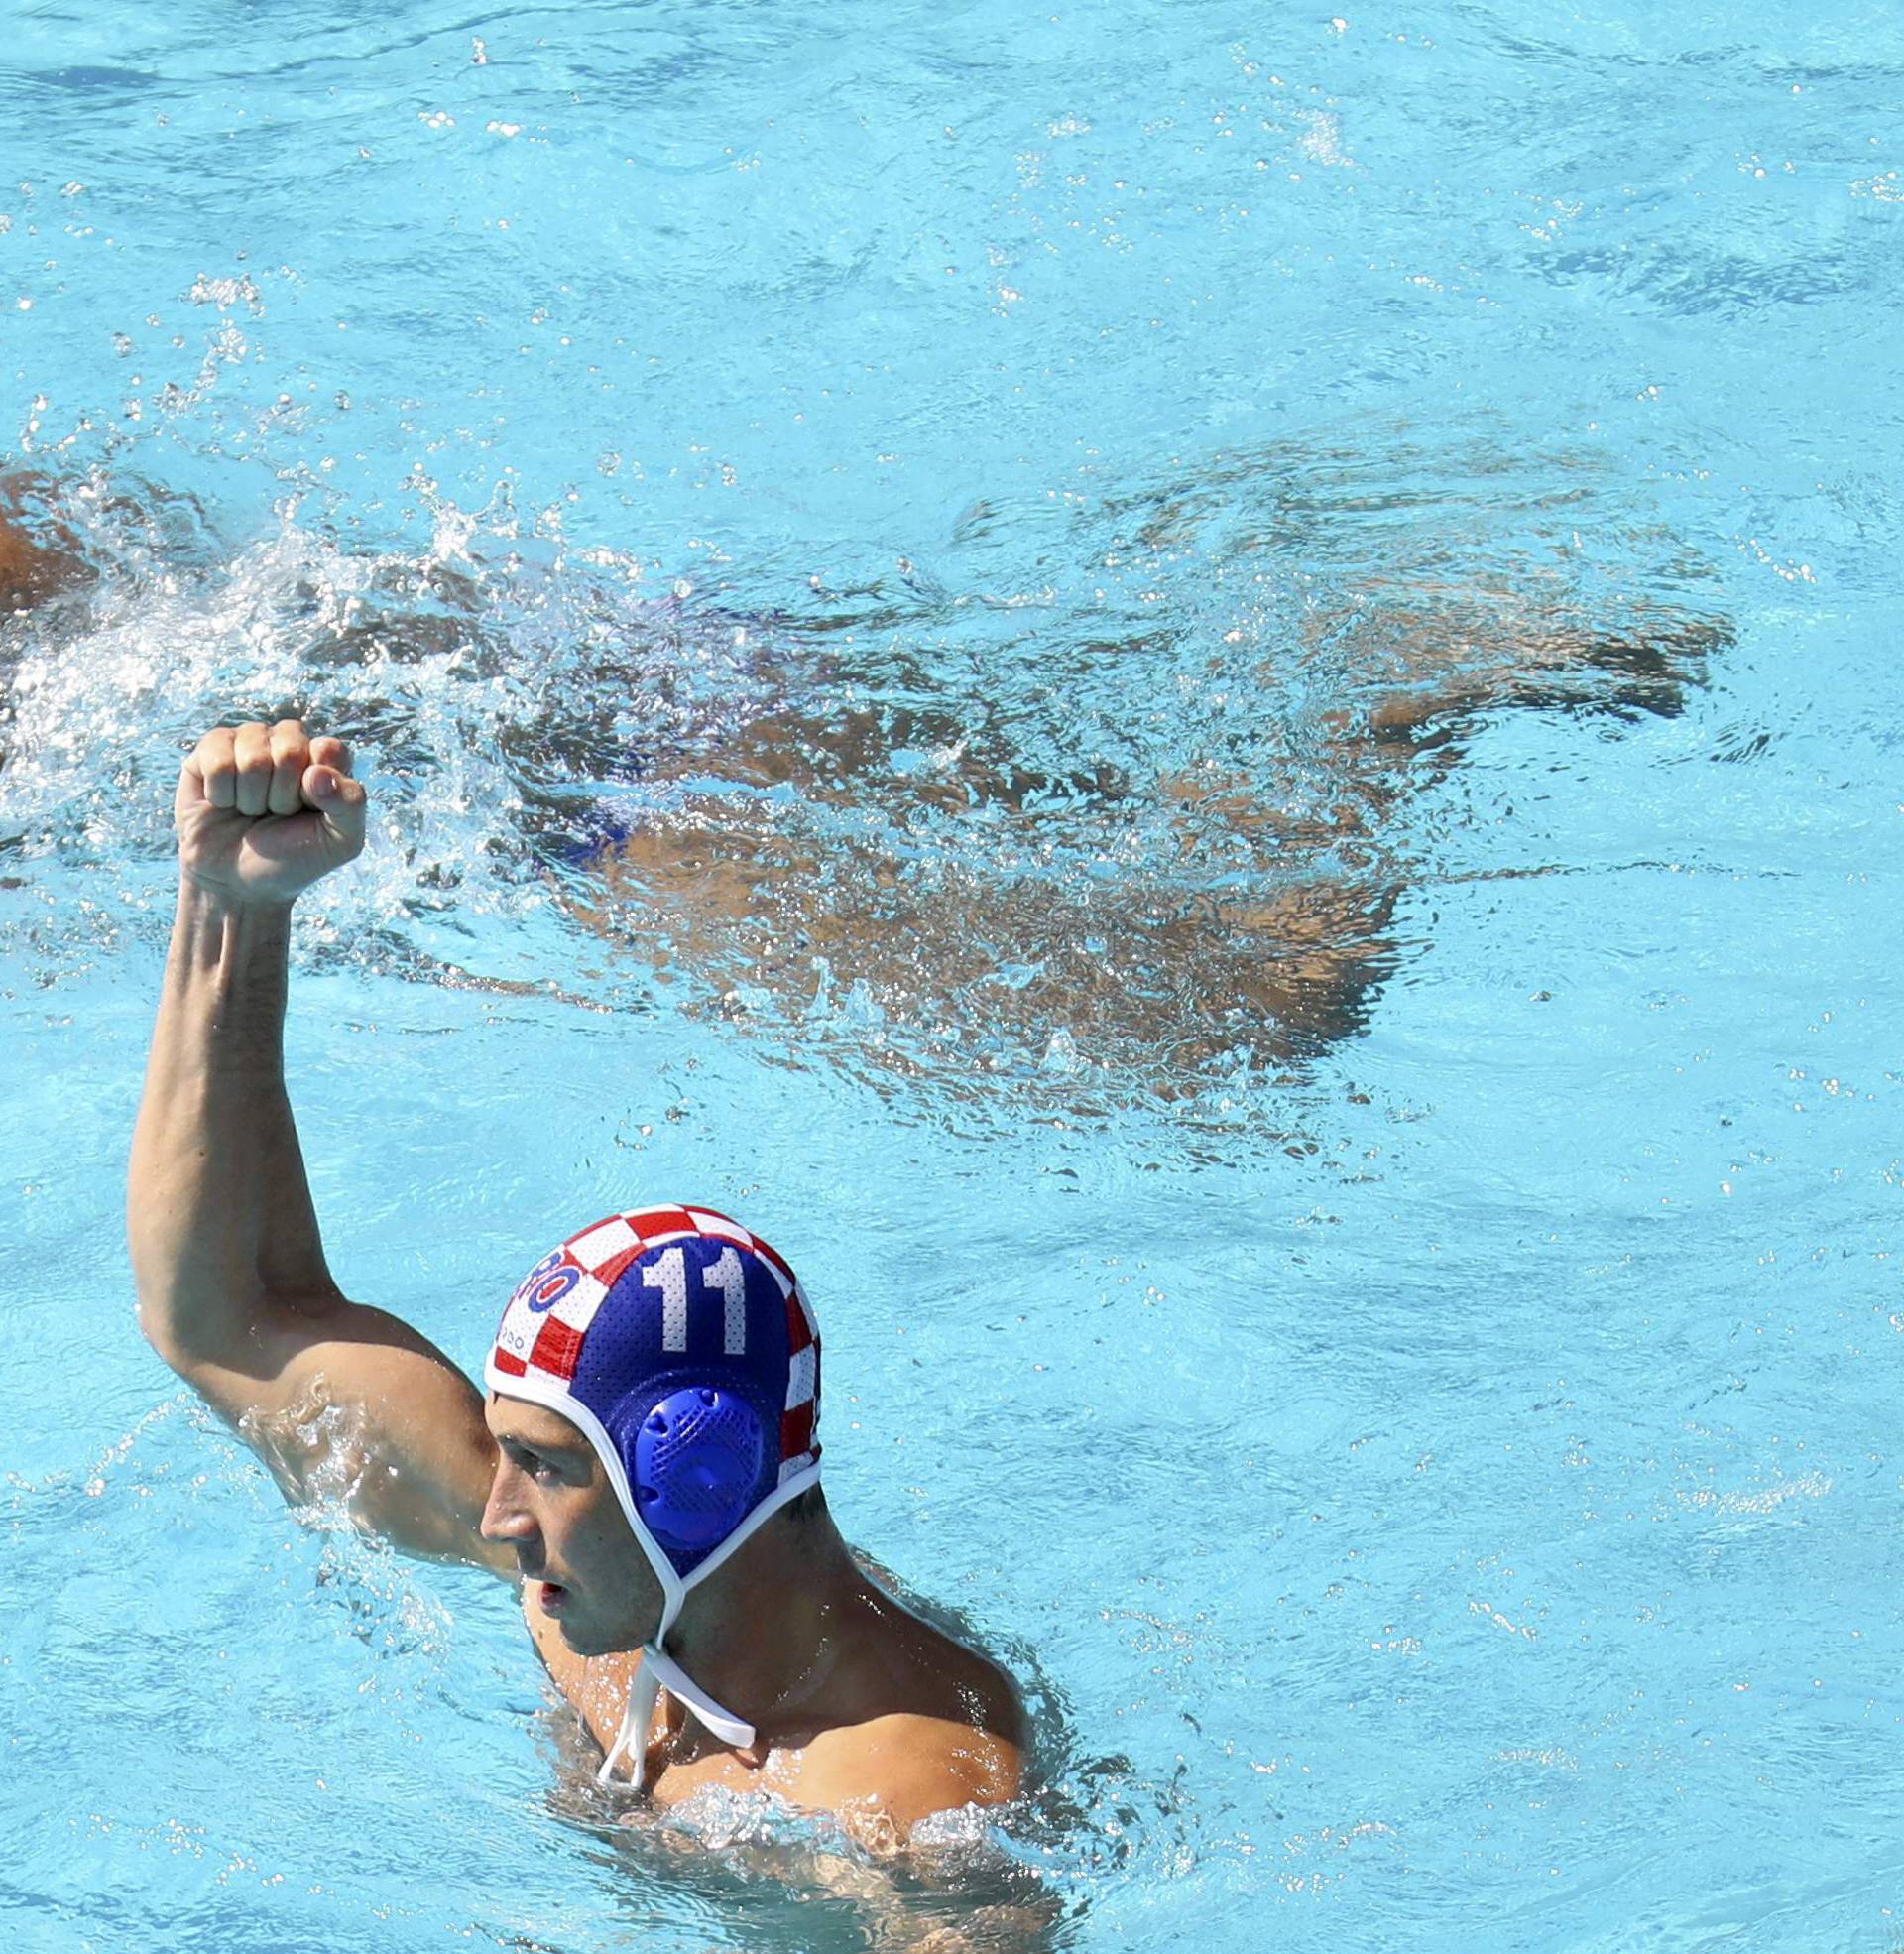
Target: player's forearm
[219,1210]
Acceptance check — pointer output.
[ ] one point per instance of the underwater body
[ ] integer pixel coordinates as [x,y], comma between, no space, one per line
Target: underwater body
[1206,707]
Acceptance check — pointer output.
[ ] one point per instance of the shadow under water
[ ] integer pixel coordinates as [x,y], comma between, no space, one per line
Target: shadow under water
[1114,802]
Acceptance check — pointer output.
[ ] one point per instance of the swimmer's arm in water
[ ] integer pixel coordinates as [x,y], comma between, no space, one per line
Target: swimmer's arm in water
[234,1290]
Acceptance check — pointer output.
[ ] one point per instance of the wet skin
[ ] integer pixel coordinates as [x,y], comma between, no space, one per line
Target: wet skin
[854,1686]
[1255,916]
[39,555]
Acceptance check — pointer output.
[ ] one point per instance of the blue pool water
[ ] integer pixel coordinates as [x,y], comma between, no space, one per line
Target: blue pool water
[1206,703]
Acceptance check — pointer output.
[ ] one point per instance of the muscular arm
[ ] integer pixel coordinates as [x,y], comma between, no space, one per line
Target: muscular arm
[234,1292]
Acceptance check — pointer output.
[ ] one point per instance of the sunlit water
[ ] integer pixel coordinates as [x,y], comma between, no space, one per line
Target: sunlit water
[1209,707]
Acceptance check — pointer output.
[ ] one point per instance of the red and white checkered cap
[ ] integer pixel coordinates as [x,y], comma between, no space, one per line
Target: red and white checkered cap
[544,1331]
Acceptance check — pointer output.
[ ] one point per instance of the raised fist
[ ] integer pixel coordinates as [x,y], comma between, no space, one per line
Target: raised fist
[263,812]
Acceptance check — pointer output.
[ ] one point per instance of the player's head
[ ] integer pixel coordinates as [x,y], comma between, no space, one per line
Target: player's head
[680,1349]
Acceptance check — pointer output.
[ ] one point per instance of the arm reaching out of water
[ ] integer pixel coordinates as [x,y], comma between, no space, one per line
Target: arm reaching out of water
[234,1292]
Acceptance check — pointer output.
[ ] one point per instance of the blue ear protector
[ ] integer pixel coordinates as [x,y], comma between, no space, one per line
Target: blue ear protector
[697,1462]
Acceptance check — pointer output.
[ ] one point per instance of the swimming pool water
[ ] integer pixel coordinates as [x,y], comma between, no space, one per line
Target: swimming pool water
[1433,1452]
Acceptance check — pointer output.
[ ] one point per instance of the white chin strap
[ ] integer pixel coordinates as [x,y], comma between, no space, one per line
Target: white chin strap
[660,1671]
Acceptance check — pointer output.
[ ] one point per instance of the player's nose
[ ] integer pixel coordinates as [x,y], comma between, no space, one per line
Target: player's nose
[505,1517]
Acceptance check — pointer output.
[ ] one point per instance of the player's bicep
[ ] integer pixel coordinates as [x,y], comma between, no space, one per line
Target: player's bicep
[355,1411]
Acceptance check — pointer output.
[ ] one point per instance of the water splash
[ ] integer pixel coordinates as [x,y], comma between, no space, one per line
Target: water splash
[322,1454]
[1149,840]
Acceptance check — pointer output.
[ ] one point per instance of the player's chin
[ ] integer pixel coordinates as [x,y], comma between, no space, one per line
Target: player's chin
[585,1624]
[582,1636]
[574,1632]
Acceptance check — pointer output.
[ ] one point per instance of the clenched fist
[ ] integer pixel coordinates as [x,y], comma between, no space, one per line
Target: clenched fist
[263,812]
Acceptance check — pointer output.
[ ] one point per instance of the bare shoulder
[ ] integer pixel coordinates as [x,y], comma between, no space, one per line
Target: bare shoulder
[940,1725]
[896,1770]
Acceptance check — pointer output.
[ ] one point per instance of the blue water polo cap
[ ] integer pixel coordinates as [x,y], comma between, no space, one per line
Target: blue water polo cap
[683,1347]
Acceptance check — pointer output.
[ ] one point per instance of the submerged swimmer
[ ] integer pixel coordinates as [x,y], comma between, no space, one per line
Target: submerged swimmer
[646,1462]
[886,830]
[38,554]
[1131,859]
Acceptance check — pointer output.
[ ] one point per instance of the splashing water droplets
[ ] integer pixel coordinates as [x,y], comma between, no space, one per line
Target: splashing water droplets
[847,810]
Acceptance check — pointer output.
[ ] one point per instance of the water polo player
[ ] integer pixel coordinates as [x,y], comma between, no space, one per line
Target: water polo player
[646,1461]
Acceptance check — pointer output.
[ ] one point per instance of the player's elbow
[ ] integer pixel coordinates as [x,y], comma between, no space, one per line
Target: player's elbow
[188,1336]
[158,1325]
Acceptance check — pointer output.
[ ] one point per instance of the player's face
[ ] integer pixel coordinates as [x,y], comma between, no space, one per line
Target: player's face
[552,1503]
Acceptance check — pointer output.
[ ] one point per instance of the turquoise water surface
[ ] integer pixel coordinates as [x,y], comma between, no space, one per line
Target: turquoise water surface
[1205,701]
